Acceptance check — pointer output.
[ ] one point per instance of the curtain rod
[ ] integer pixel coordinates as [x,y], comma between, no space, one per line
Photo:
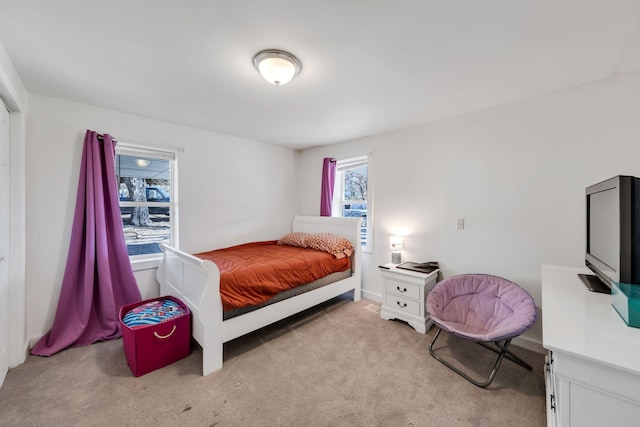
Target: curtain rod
[145,147]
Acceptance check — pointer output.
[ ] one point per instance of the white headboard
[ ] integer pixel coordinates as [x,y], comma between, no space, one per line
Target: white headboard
[345,227]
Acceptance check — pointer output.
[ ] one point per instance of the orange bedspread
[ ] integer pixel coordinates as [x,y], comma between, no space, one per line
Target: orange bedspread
[252,273]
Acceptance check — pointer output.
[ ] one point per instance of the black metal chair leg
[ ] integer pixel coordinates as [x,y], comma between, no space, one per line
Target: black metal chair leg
[508,353]
[504,352]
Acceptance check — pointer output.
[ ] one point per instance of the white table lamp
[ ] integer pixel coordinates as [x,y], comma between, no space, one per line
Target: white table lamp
[396,244]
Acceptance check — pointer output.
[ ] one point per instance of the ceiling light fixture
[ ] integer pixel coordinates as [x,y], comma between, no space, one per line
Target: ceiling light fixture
[143,163]
[277,66]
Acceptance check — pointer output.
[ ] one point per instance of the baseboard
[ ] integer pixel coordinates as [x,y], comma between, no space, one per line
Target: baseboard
[25,351]
[33,341]
[529,344]
[23,356]
[371,296]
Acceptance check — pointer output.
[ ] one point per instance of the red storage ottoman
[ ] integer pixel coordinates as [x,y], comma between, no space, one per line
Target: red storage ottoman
[157,339]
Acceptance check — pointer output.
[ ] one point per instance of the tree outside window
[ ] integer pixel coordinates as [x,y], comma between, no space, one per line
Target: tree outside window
[144,184]
[352,193]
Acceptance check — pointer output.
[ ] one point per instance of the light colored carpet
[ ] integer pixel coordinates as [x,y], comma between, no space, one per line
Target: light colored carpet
[338,364]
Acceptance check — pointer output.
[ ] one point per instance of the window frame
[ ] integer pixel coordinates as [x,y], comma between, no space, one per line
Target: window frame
[145,261]
[339,201]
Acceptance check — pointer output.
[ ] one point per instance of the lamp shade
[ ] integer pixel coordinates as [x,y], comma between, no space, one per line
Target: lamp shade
[277,66]
[396,243]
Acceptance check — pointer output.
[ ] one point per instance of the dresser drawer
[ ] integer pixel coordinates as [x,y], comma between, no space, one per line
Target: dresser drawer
[402,289]
[403,304]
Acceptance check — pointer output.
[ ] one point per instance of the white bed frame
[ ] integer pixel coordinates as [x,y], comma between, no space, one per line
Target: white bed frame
[197,283]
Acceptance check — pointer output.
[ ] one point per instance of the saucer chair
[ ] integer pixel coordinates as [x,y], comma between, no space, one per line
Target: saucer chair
[485,309]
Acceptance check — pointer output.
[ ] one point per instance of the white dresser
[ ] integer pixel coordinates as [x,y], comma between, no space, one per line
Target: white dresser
[405,294]
[593,362]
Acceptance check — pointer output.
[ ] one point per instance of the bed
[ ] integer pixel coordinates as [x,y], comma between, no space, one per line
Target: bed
[196,282]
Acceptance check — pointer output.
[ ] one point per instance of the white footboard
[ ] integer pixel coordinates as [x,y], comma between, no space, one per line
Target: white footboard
[197,283]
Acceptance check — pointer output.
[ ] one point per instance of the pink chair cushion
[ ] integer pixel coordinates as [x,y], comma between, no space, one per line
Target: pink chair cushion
[481,307]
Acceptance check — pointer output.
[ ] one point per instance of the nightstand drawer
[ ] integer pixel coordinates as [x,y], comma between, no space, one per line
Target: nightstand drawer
[403,304]
[403,289]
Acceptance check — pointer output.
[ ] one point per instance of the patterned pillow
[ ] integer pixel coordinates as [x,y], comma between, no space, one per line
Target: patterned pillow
[336,245]
[295,239]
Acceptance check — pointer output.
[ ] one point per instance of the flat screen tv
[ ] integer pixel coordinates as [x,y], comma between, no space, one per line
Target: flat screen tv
[613,233]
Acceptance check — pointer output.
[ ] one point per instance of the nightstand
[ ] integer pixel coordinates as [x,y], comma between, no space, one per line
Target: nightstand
[405,295]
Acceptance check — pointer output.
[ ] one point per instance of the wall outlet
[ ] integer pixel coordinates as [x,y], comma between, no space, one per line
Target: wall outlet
[460,224]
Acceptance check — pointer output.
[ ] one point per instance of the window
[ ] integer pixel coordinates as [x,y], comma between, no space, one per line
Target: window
[351,196]
[146,185]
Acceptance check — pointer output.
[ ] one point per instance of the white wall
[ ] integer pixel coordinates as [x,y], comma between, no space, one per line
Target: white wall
[231,191]
[516,174]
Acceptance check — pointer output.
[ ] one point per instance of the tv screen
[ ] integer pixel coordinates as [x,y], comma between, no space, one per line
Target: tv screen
[604,228]
[613,225]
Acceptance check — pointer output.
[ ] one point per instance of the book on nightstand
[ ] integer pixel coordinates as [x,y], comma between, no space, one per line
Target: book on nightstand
[420,267]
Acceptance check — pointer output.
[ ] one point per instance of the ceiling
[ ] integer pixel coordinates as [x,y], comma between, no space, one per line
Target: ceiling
[368,66]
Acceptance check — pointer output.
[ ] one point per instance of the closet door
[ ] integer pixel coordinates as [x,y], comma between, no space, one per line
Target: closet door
[4,242]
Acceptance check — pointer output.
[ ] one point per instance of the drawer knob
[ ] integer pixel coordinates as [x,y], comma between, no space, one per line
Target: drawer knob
[403,305]
[401,290]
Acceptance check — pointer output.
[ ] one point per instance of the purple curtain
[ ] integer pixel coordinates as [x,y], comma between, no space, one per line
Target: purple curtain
[98,278]
[328,181]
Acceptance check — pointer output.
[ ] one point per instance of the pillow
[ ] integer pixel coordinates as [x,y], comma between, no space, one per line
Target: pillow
[336,245]
[297,239]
